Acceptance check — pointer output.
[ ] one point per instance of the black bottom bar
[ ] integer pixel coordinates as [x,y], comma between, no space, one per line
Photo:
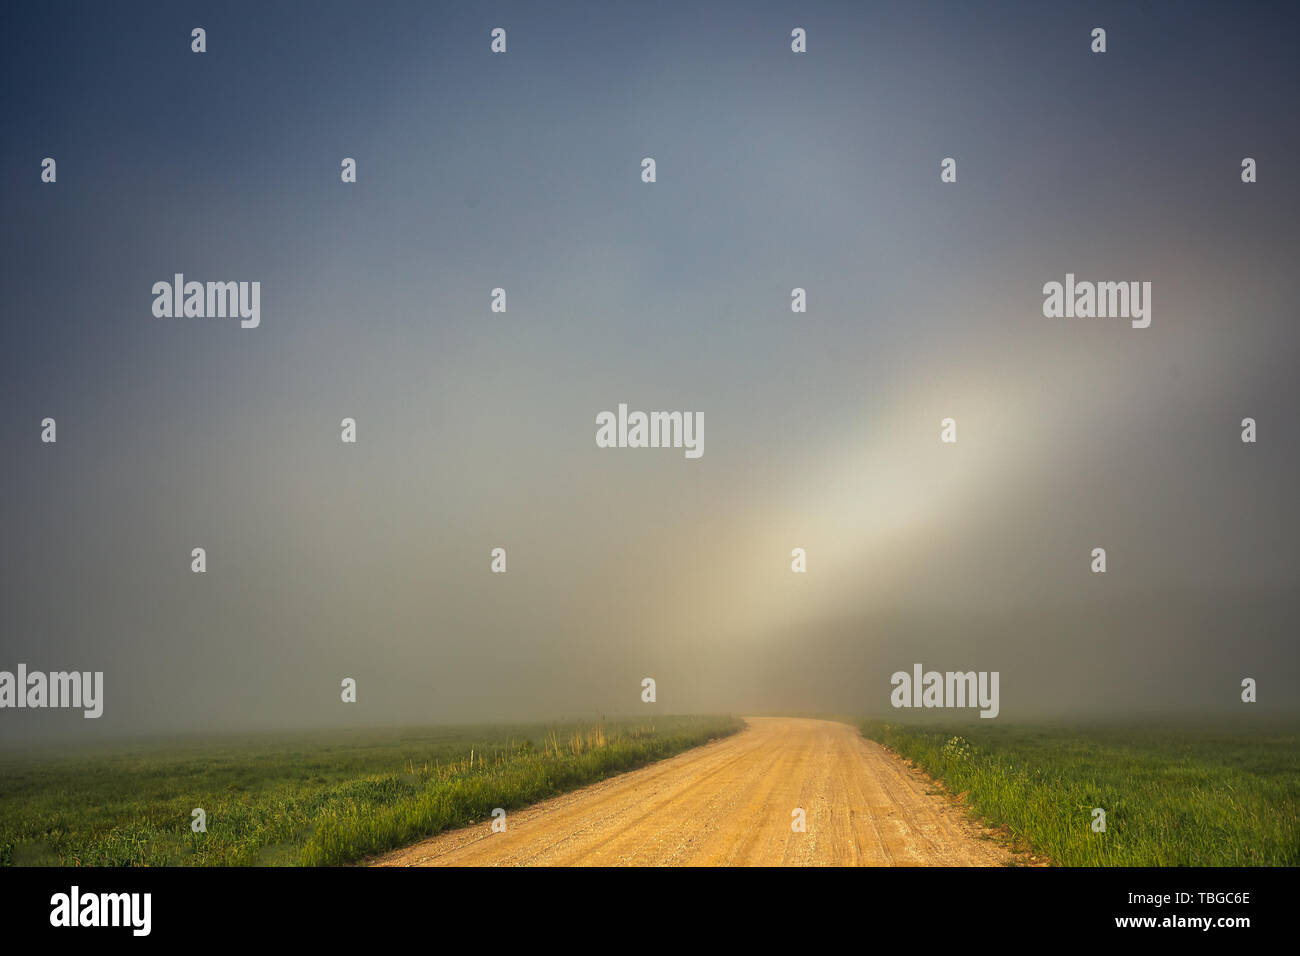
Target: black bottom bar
[655,907]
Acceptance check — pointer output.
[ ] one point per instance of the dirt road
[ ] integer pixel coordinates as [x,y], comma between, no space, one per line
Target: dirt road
[731,802]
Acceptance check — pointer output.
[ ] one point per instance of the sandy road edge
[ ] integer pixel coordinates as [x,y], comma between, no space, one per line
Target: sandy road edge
[390,857]
[1024,852]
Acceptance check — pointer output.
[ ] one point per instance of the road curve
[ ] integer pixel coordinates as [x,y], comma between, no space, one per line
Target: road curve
[730,803]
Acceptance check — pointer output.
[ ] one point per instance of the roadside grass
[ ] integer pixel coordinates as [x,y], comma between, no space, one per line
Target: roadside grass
[306,799]
[1222,795]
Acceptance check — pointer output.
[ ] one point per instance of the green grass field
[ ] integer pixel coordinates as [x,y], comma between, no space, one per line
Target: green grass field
[310,799]
[1213,795]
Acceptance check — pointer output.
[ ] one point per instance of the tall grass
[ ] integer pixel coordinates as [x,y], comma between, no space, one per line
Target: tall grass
[1173,796]
[328,797]
[459,796]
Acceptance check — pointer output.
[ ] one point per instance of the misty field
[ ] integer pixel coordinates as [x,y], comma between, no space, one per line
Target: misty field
[1217,795]
[306,799]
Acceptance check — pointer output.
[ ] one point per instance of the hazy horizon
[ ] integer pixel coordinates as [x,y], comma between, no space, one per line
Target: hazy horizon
[476,430]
